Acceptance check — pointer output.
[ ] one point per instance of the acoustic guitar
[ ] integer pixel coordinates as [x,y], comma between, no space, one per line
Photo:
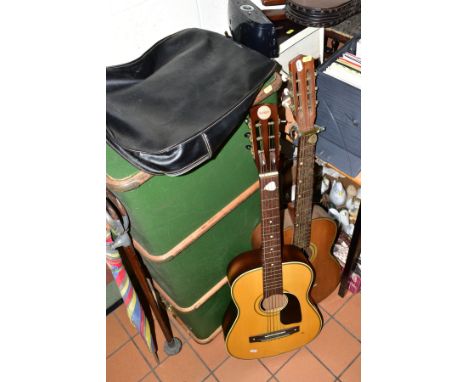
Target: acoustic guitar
[271,310]
[313,230]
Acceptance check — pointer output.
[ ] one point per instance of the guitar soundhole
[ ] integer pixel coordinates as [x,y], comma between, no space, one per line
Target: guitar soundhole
[274,303]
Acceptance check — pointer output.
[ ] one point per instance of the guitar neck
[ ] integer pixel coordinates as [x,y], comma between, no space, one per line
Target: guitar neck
[304,190]
[271,234]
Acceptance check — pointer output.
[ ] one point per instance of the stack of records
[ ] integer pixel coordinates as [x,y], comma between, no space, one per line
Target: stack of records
[321,13]
[346,68]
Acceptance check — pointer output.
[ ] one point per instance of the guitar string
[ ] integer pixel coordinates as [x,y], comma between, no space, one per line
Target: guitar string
[265,208]
[269,275]
[262,170]
[304,205]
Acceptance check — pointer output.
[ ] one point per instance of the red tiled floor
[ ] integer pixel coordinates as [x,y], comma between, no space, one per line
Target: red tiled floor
[126,365]
[150,378]
[334,302]
[335,347]
[213,353]
[183,367]
[210,379]
[115,334]
[236,370]
[141,345]
[350,315]
[325,316]
[274,363]
[353,374]
[304,367]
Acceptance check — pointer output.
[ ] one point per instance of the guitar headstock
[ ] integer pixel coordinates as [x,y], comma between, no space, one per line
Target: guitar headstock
[264,127]
[302,73]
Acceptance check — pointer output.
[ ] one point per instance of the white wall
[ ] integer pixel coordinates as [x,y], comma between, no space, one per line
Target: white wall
[135,25]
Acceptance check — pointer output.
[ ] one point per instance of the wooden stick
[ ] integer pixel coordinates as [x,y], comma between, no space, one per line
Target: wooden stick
[200,230]
[128,183]
[197,303]
[189,332]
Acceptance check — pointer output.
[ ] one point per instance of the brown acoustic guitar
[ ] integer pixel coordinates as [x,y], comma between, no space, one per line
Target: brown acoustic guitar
[272,312]
[313,230]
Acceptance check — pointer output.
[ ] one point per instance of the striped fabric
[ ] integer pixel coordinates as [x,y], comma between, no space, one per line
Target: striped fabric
[134,310]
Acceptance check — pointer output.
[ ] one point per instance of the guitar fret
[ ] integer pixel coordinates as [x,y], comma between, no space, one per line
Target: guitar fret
[271,234]
[273,241]
[277,277]
[274,244]
[304,184]
[276,285]
[273,278]
[270,209]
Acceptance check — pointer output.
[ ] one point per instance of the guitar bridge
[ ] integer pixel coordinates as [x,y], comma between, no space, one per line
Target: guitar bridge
[274,335]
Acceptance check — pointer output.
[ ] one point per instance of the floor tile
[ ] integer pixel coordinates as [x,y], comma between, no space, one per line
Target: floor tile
[210,379]
[274,363]
[334,302]
[126,365]
[212,353]
[236,370]
[304,367]
[353,374]
[335,347]
[150,378]
[350,315]
[183,367]
[115,335]
[141,345]
[325,315]
[121,313]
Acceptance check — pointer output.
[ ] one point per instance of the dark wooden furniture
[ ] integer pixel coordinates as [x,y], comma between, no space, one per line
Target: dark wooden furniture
[353,255]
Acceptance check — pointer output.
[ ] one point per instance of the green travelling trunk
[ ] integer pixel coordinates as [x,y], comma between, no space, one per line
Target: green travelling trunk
[164,210]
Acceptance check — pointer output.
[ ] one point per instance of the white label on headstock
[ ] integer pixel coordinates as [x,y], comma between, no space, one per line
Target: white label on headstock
[264,112]
[270,186]
[299,66]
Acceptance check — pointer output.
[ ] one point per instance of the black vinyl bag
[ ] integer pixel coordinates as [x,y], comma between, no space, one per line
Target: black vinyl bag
[174,107]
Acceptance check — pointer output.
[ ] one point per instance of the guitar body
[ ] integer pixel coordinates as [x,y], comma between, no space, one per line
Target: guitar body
[250,332]
[326,268]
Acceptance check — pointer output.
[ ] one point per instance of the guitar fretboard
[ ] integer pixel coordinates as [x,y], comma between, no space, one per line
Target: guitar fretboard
[271,235]
[304,191]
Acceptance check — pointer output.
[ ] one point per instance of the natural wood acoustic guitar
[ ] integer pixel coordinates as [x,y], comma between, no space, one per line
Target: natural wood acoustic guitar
[271,310]
[313,230]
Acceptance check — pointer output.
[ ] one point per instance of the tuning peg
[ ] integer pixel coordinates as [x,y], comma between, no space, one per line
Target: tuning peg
[248,147]
[318,129]
[247,134]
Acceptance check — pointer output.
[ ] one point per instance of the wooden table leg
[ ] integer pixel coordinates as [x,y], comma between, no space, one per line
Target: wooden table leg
[353,254]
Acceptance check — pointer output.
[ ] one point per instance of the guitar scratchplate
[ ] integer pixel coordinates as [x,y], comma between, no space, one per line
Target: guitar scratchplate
[274,335]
